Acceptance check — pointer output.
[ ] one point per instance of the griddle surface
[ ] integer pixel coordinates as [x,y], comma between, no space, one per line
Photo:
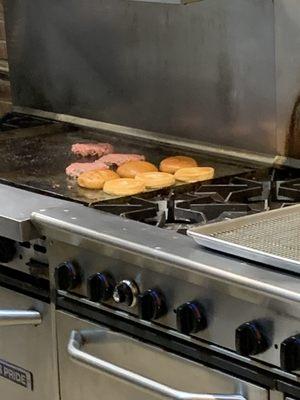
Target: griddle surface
[36,159]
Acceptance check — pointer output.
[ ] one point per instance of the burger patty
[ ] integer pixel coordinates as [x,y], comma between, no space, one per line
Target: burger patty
[75,169]
[119,159]
[92,149]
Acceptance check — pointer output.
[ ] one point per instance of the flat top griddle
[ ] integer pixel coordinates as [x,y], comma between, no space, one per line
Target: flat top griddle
[35,159]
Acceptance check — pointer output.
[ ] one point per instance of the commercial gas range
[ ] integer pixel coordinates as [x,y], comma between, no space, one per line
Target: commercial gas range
[123,273]
[111,297]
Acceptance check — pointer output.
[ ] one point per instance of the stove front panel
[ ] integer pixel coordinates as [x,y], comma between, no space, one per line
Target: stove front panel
[226,308]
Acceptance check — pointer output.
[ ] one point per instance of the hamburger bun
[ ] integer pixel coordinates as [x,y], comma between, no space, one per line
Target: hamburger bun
[131,168]
[196,174]
[156,180]
[124,187]
[95,179]
[173,164]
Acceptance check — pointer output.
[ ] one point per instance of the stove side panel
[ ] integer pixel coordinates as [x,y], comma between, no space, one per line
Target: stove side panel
[203,71]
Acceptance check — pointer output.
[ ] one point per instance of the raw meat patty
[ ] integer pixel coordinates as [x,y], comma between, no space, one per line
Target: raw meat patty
[75,169]
[119,159]
[92,149]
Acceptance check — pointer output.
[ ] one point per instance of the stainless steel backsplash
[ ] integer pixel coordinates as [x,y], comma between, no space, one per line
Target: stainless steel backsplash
[225,72]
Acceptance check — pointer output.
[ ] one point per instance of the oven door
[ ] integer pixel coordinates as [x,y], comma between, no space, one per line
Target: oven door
[27,369]
[96,362]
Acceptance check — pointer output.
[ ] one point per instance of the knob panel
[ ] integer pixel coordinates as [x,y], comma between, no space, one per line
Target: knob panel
[100,287]
[67,276]
[7,249]
[250,339]
[191,318]
[151,305]
[126,292]
[290,353]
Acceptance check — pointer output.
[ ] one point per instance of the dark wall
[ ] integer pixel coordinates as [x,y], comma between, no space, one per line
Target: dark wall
[5,95]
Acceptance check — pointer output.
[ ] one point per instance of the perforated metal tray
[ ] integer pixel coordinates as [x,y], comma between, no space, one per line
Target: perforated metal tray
[271,237]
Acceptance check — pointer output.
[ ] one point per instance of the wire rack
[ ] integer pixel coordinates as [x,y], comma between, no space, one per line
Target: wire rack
[271,237]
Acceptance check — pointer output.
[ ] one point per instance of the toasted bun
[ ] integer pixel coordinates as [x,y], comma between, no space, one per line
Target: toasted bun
[131,168]
[124,187]
[173,164]
[156,180]
[95,179]
[195,174]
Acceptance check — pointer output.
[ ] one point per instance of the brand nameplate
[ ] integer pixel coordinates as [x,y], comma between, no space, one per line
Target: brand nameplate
[16,374]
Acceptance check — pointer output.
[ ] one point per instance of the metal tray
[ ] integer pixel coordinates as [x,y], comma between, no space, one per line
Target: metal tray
[271,237]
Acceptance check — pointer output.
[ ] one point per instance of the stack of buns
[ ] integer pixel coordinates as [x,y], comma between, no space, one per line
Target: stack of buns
[134,177]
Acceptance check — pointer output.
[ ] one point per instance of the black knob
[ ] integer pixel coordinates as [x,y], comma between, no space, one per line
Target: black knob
[126,292]
[290,354]
[190,318]
[250,339]
[67,276]
[100,287]
[151,305]
[7,249]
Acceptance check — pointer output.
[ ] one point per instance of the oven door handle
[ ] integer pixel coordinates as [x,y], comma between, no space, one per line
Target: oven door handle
[19,317]
[79,338]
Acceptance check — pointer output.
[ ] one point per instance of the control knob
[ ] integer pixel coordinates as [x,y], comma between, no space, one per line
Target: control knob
[250,339]
[100,287]
[191,318]
[151,305]
[290,353]
[7,249]
[126,292]
[67,276]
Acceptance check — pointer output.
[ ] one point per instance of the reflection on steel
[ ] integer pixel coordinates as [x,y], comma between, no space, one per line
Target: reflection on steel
[197,72]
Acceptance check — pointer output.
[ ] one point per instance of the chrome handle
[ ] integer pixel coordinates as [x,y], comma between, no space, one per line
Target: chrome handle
[18,317]
[79,338]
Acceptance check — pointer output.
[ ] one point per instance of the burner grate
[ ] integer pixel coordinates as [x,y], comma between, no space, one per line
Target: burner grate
[207,203]
[290,189]
[135,208]
[221,200]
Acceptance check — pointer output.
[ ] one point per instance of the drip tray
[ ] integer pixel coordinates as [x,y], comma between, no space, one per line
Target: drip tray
[271,237]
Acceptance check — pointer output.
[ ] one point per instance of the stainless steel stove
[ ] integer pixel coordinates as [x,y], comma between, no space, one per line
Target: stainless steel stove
[110,296]
[159,282]
[124,263]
